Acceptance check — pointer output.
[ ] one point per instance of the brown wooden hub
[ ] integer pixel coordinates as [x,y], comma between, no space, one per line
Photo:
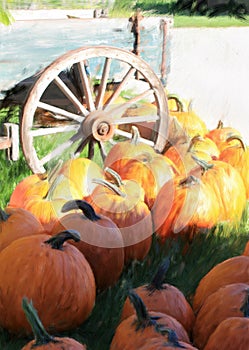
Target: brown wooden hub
[99,125]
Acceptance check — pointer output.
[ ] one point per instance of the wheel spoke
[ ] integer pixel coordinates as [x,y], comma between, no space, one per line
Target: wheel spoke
[91,148]
[49,131]
[61,148]
[102,87]
[68,93]
[120,87]
[128,135]
[86,87]
[102,150]
[138,119]
[119,109]
[60,112]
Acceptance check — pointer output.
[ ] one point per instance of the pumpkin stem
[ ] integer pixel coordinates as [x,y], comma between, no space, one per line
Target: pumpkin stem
[135,138]
[179,103]
[144,320]
[173,339]
[56,242]
[41,335]
[115,176]
[238,138]
[245,307]
[114,188]
[85,207]
[189,181]
[193,141]
[220,125]
[202,163]
[157,281]
[3,215]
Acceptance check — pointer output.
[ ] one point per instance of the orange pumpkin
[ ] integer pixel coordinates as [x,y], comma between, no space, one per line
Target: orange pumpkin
[33,184]
[163,297]
[227,301]
[220,135]
[232,333]
[238,157]
[101,241]
[43,340]
[184,207]
[172,343]
[123,203]
[228,186]
[129,149]
[133,332]
[16,223]
[49,271]
[233,270]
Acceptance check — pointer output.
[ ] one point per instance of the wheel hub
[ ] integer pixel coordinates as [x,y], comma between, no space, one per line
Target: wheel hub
[99,125]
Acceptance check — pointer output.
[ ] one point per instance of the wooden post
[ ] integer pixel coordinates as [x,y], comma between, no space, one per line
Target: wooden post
[163,27]
[135,29]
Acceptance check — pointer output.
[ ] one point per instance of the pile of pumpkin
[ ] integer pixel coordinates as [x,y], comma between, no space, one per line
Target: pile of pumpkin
[69,234]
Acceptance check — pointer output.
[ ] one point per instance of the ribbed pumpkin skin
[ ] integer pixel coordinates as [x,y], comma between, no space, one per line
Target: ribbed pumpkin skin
[229,188]
[150,171]
[81,171]
[60,283]
[233,270]
[130,214]
[169,300]
[226,302]
[127,337]
[239,159]
[19,224]
[101,244]
[220,135]
[30,185]
[162,344]
[184,209]
[232,333]
[61,344]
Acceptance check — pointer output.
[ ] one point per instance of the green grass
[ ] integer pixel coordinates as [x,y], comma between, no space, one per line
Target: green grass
[202,21]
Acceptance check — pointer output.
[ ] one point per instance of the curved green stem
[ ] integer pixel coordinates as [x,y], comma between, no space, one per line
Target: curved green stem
[41,335]
[135,139]
[238,138]
[114,175]
[202,163]
[189,181]
[114,188]
[157,281]
[179,104]
[144,319]
[57,241]
[85,207]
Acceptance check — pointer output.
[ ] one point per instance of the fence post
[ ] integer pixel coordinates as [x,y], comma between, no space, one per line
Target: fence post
[163,27]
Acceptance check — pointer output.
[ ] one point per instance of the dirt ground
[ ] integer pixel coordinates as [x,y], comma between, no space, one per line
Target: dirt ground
[210,66]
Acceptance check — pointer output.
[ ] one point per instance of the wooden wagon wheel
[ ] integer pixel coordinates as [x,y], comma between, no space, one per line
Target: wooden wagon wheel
[66,112]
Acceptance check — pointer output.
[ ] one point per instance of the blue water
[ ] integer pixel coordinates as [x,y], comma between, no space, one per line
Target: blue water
[28,46]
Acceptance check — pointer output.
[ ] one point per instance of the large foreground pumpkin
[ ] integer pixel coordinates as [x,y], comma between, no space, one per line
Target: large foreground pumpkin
[51,272]
[233,270]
